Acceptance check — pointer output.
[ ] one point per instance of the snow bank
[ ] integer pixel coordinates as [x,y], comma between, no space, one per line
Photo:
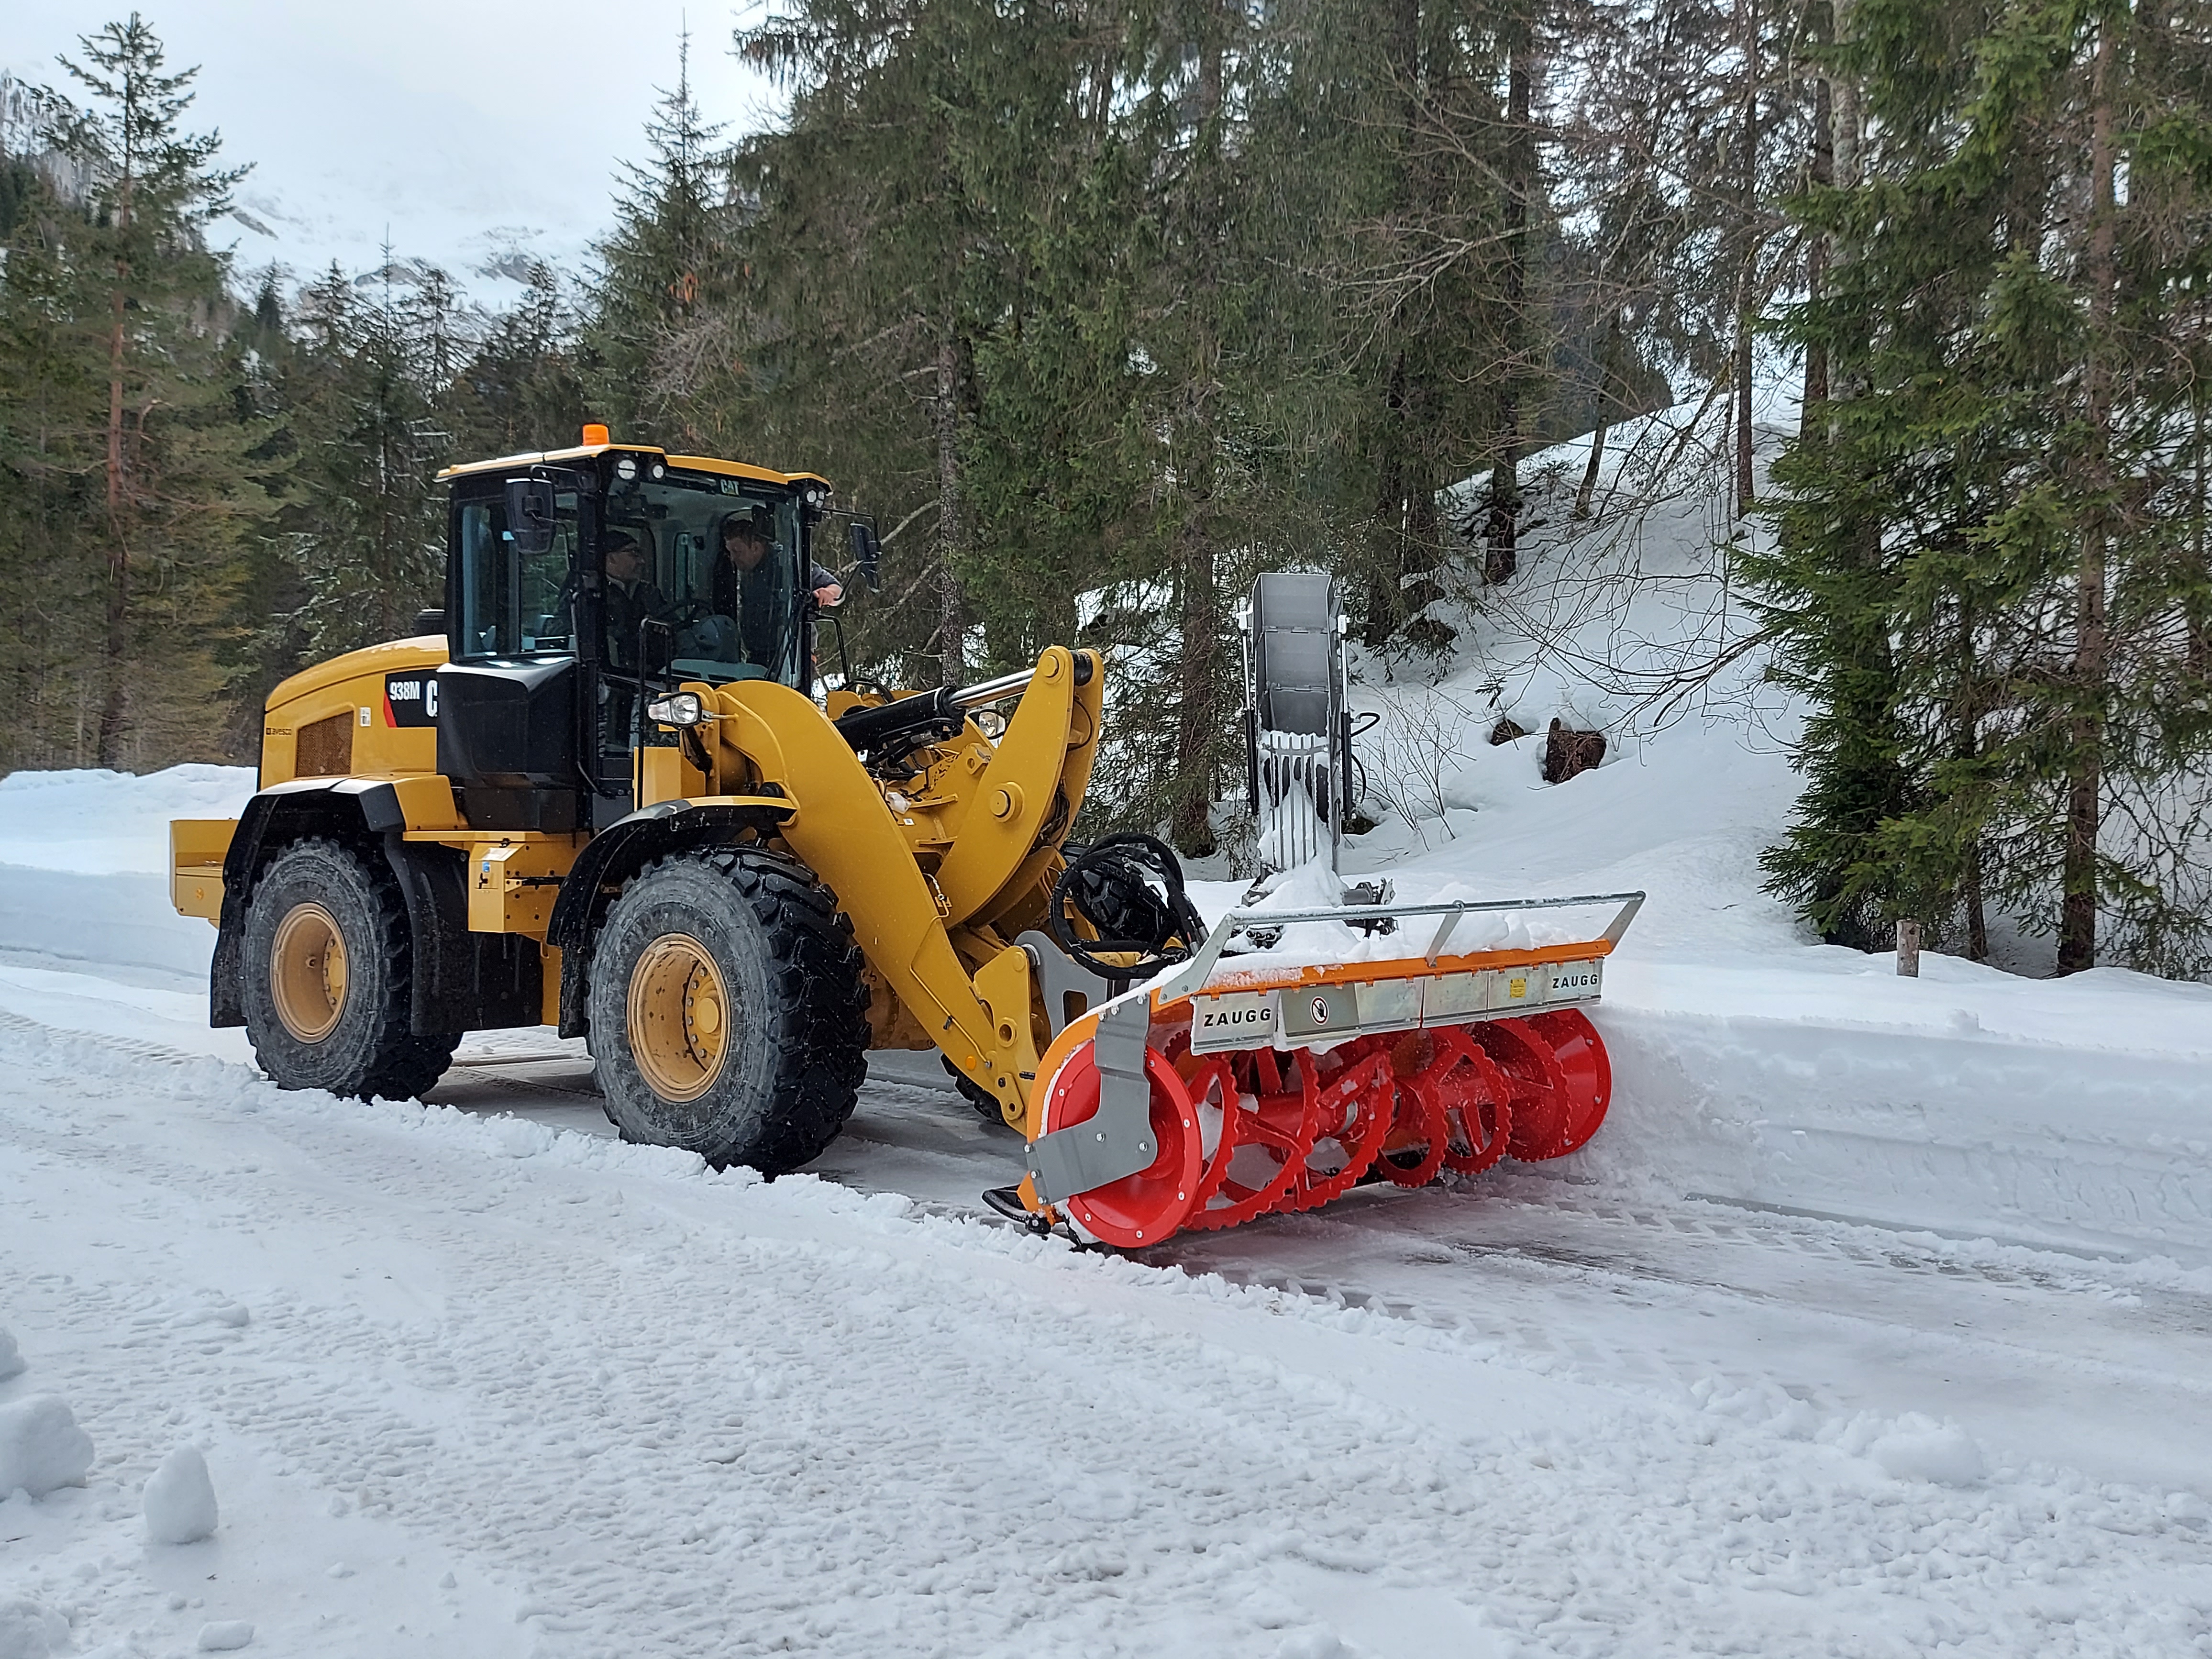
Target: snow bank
[31,1630]
[99,823]
[179,1499]
[41,1448]
[84,860]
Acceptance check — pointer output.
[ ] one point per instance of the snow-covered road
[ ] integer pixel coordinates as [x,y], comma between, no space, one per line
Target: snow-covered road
[535,1391]
[1877,1321]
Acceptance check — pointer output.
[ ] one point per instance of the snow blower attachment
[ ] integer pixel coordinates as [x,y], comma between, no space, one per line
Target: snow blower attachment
[601,794]
[1282,1063]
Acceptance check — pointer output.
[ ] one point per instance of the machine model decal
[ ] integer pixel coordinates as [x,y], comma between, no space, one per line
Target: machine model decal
[410,699]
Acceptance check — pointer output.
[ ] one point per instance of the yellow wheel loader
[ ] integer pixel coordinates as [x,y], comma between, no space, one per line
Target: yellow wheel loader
[596,794]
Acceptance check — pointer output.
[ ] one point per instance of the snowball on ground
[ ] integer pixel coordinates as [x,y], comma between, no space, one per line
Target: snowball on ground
[31,1630]
[1920,1451]
[225,1635]
[41,1447]
[11,1357]
[180,1500]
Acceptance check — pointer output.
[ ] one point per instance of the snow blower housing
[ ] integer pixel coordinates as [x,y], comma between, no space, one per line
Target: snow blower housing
[605,798]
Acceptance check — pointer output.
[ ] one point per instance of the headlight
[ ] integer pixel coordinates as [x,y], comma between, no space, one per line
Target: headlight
[680,709]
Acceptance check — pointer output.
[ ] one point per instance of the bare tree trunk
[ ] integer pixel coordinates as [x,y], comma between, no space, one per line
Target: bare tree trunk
[1198,717]
[2077,919]
[116,637]
[1747,271]
[1608,369]
[1502,556]
[1811,415]
[951,522]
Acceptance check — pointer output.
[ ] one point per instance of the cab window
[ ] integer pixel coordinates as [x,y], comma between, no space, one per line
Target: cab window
[512,605]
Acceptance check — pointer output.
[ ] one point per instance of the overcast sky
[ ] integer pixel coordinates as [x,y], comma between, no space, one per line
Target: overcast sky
[463,128]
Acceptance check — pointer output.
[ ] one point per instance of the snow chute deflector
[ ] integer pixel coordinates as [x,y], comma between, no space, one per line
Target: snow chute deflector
[1259,1076]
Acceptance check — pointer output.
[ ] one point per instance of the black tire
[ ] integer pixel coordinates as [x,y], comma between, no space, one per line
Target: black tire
[982,1101]
[792,1009]
[370,1050]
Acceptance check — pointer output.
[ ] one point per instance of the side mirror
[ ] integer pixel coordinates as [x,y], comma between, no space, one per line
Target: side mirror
[867,552]
[530,515]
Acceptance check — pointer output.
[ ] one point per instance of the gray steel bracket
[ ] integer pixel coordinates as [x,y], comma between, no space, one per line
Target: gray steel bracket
[1116,1141]
[1057,974]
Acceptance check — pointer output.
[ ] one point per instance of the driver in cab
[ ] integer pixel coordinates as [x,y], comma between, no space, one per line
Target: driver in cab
[744,545]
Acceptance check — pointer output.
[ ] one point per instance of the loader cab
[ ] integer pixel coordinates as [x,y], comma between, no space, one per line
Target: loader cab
[580,584]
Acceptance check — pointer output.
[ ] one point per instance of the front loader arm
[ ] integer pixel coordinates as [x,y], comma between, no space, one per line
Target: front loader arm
[846,834]
[1045,757]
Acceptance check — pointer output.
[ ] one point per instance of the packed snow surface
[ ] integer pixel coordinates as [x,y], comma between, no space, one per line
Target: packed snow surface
[1877,1321]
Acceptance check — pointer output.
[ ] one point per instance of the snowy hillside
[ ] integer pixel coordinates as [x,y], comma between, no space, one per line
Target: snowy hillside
[1874,1321]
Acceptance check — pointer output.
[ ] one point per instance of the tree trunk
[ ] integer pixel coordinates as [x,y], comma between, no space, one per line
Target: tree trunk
[1811,416]
[952,525]
[1608,370]
[1501,556]
[2077,921]
[1747,271]
[1198,717]
[115,667]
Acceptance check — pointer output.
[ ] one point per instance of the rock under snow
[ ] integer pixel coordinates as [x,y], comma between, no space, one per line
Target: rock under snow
[180,1500]
[41,1447]
[225,1635]
[31,1630]
[11,1357]
[1942,1453]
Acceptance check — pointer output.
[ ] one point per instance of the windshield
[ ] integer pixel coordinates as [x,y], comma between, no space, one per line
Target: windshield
[715,561]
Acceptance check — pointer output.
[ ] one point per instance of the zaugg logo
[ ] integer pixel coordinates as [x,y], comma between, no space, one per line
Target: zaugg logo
[1575,978]
[1229,1019]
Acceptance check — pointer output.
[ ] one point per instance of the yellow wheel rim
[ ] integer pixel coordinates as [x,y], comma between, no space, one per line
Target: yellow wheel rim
[679,1017]
[307,972]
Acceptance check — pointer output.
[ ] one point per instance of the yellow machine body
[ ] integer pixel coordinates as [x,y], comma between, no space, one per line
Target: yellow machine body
[938,872]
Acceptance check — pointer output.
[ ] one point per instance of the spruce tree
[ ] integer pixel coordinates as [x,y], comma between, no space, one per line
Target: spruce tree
[120,314]
[1988,558]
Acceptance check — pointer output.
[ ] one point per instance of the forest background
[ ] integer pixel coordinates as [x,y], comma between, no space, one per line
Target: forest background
[1097,306]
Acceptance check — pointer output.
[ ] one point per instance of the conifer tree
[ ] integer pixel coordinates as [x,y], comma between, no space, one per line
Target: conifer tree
[122,295]
[1988,556]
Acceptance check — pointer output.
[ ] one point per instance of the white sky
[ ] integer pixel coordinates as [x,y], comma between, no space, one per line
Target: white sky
[466,128]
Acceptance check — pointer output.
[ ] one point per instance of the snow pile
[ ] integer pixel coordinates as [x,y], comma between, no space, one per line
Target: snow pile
[84,860]
[11,1357]
[225,1636]
[102,823]
[41,1448]
[31,1630]
[1921,1450]
[179,1499]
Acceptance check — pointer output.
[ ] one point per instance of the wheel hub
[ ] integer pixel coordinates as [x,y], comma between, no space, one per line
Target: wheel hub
[307,972]
[678,1018]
